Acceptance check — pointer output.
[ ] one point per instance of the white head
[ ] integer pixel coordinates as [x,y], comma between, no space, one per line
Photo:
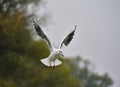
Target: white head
[59,51]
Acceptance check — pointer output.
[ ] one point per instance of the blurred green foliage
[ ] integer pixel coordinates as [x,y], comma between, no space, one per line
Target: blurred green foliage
[81,69]
[20,55]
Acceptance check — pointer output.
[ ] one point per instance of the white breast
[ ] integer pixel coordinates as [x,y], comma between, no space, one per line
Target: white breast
[53,56]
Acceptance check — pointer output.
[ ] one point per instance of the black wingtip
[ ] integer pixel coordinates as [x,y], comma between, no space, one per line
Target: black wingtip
[75,28]
[33,20]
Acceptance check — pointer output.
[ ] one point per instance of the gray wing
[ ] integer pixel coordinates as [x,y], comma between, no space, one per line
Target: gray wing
[67,39]
[41,33]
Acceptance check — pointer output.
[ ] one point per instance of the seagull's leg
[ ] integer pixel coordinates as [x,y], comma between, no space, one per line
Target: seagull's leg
[54,65]
[50,63]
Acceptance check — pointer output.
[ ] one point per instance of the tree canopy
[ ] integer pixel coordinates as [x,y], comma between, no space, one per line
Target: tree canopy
[80,69]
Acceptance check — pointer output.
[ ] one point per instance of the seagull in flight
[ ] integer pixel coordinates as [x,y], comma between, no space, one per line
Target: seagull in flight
[52,60]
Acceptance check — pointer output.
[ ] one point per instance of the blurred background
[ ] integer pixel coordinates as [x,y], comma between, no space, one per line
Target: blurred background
[92,58]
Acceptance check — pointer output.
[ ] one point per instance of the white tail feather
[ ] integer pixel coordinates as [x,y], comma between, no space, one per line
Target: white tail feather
[46,62]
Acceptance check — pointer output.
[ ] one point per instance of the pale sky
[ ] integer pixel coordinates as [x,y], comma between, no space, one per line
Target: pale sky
[97,35]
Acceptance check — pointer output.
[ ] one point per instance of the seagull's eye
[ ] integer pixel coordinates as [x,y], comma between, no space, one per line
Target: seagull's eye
[60,51]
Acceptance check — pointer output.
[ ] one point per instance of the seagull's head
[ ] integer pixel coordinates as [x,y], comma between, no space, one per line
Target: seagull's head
[60,52]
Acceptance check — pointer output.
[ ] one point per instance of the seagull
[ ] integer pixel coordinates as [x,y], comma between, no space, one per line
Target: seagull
[52,60]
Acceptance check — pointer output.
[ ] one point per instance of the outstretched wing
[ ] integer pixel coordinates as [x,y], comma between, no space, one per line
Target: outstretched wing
[67,39]
[42,34]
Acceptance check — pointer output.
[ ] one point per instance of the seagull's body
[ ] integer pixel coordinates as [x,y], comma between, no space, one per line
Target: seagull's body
[52,60]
